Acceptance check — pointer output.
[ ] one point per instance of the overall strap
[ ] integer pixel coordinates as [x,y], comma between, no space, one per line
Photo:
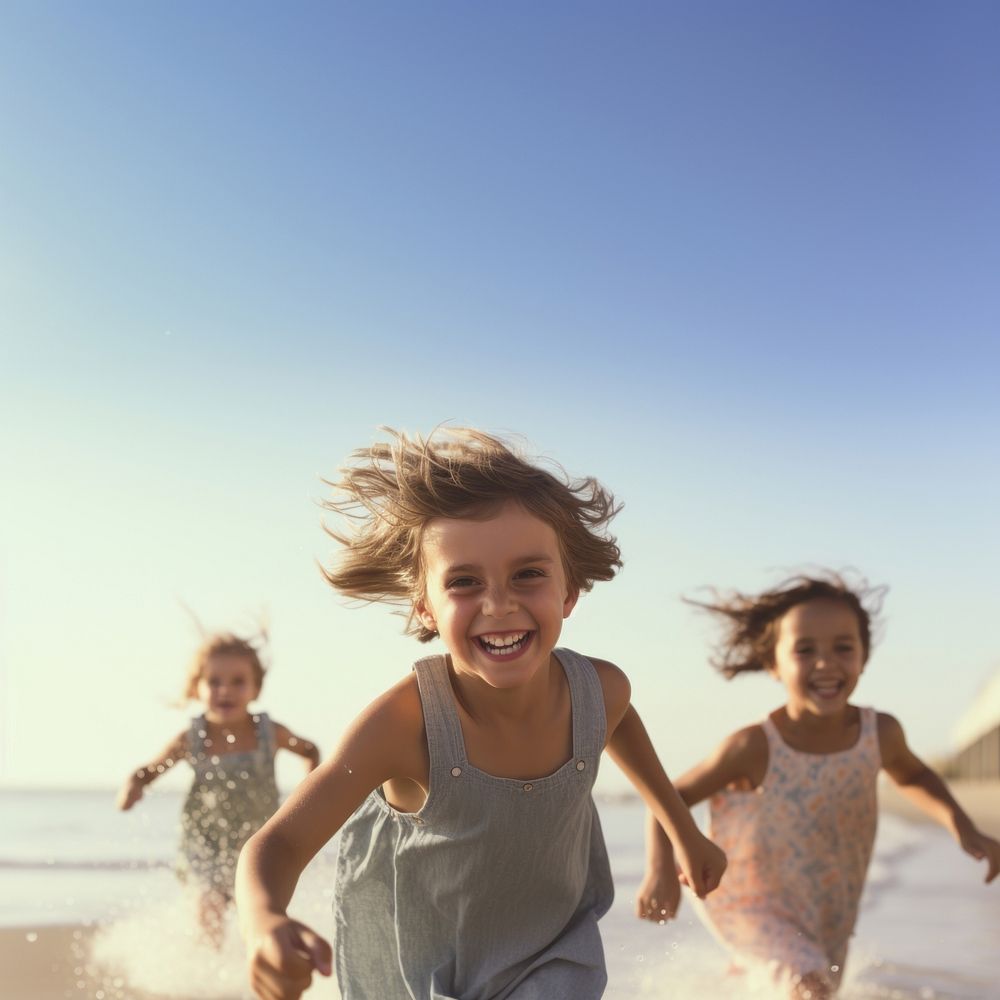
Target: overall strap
[444,730]
[590,715]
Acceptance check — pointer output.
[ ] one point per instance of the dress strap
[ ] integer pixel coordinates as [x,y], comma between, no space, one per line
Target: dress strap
[265,732]
[868,741]
[590,715]
[196,734]
[444,730]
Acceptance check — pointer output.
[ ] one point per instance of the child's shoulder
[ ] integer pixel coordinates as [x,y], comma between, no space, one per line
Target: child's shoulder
[398,710]
[748,744]
[743,757]
[891,738]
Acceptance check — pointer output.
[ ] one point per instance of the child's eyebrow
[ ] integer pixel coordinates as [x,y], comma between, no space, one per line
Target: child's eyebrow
[475,567]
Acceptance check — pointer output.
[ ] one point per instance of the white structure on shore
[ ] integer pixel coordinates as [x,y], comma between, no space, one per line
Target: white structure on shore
[977,735]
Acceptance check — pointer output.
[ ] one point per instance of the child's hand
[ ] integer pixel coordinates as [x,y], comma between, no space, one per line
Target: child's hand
[701,864]
[659,895]
[283,959]
[129,795]
[980,846]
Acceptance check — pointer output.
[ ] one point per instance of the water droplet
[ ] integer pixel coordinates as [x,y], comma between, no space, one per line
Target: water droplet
[230,738]
[292,741]
[661,922]
[835,968]
[31,937]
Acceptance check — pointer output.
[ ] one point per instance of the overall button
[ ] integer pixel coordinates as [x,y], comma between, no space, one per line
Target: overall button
[528,787]
[456,771]
[581,764]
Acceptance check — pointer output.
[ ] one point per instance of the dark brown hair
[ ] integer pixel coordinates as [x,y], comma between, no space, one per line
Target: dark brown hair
[394,488]
[223,644]
[752,620]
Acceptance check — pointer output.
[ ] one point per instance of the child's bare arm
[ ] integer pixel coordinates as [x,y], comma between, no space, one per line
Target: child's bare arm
[739,762]
[700,861]
[926,790]
[287,740]
[386,741]
[131,791]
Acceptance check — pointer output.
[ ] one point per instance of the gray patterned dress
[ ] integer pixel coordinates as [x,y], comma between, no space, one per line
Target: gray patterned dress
[232,796]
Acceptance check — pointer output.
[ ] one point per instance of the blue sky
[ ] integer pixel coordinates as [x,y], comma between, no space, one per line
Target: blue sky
[738,261]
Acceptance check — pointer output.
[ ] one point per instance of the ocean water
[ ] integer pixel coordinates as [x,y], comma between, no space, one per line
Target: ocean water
[928,930]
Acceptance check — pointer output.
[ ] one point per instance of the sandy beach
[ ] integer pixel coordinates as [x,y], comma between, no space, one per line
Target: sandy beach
[50,961]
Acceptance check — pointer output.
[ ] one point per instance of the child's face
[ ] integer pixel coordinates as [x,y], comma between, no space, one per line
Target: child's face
[496,592]
[226,686]
[819,656]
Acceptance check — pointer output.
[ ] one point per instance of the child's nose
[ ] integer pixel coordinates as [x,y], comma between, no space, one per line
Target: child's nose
[498,602]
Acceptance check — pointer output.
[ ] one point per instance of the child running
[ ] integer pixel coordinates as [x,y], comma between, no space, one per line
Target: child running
[471,862]
[793,799]
[232,754]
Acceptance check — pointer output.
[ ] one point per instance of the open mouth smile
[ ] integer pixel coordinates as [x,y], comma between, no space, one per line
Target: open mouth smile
[503,644]
[826,689]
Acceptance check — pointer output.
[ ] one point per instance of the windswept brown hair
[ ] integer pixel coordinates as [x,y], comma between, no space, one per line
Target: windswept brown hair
[393,489]
[752,620]
[224,644]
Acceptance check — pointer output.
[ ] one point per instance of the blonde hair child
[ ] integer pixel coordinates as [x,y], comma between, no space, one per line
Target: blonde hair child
[471,860]
[793,799]
[232,754]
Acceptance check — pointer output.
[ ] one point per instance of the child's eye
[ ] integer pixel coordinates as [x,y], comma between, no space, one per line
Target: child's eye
[461,582]
[529,574]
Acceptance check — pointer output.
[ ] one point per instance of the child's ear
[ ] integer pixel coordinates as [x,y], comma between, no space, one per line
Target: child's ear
[571,598]
[424,613]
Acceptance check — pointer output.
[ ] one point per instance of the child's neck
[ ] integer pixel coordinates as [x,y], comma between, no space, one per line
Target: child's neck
[241,724]
[811,733]
[515,704]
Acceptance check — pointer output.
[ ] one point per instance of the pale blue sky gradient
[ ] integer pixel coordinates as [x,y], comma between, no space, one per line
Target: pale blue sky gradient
[738,261]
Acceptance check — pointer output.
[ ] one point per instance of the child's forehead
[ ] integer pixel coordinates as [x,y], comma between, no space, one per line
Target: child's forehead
[506,529]
[821,615]
[231,662]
